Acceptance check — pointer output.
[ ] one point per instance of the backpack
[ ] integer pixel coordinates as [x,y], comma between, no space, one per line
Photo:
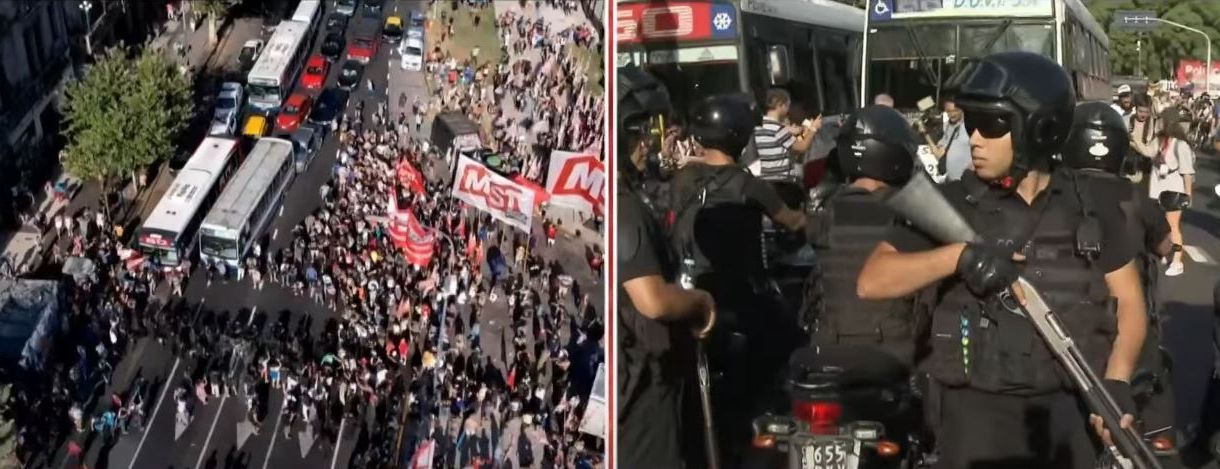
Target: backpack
[713,189]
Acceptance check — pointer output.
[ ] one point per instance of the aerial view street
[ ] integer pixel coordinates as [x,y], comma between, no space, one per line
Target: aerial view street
[355,243]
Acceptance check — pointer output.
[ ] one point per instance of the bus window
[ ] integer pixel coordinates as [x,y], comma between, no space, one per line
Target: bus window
[804,88]
[832,59]
[1037,38]
[687,83]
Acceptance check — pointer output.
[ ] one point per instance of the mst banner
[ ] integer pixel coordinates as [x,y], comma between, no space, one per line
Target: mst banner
[504,199]
[577,180]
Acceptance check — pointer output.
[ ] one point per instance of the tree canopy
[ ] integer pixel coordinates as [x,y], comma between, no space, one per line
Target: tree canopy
[125,114]
[1161,49]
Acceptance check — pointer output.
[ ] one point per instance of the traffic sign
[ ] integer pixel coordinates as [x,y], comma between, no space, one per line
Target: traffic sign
[1134,20]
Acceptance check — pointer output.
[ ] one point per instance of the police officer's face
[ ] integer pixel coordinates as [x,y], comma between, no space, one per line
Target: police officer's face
[991,151]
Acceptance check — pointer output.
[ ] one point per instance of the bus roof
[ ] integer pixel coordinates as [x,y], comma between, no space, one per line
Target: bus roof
[279,51]
[247,186]
[824,13]
[306,10]
[192,184]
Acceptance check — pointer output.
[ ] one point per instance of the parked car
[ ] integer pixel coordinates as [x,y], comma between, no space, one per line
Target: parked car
[372,8]
[296,107]
[226,127]
[349,75]
[330,105]
[228,102]
[392,31]
[346,7]
[332,46]
[336,23]
[315,72]
[248,54]
[417,20]
[306,143]
[413,54]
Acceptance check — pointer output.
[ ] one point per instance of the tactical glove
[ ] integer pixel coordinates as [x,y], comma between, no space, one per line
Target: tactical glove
[986,270]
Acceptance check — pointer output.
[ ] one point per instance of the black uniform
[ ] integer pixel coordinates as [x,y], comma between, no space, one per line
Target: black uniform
[655,359]
[1003,399]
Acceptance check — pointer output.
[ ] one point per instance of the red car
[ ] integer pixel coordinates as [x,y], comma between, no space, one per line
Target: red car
[362,49]
[315,72]
[294,111]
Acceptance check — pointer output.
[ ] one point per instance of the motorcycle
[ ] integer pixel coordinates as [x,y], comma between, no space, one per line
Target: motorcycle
[851,407]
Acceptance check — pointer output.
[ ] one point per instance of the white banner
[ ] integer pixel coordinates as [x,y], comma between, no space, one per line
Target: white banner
[504,199]
[577,180]
[596,414]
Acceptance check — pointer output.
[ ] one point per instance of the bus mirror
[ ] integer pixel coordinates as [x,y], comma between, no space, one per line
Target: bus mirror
[778,65]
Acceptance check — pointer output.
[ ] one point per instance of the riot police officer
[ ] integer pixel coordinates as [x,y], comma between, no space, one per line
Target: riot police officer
[999,399]
[717,212]
[1095,149]
[655,315]
[875,149]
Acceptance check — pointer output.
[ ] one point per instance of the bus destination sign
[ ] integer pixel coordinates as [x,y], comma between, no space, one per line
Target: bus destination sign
[155,239]
[886,10]
[674,21]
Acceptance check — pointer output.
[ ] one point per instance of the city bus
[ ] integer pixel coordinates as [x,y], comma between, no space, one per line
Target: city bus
[275,72]
[247,205]
[168,235]
[697,49]
[310,13]
[914,46]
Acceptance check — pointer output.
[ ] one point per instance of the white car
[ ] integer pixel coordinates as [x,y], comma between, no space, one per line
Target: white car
[226,127]
[228,102]
[412,54]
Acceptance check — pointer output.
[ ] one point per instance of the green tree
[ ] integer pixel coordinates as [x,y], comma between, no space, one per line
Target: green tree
[1160,50]
[124,115]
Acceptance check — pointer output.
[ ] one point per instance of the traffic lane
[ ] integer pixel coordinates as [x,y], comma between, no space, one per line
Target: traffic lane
[234,297]
[163,446]
[153,363]
[287,452]
[303,196]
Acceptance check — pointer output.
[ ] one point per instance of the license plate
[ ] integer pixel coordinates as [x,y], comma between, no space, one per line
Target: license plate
[828,454]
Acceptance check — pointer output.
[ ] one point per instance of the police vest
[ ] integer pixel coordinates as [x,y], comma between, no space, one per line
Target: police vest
[975,343]
[713,206]
[856,222]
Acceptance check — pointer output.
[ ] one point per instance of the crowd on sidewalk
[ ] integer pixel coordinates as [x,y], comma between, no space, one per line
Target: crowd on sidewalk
[538,96]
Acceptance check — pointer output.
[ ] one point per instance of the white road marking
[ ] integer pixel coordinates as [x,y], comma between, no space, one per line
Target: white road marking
[251,320]
[274,433]
[208,440]
[1199,255]
[275,233]
[168,384]
[281,210]
[338,440]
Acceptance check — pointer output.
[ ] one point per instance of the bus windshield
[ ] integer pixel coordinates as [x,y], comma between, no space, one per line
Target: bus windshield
[912,61]
[218,247]
[166,256]
[687,83]
[263,92]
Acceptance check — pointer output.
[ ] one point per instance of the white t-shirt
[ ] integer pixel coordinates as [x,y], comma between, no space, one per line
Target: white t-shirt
[1179,162]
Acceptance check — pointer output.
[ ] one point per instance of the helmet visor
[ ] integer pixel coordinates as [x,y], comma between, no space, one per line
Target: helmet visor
[979,79]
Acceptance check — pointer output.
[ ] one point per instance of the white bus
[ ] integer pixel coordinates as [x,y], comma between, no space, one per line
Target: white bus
[310,13]
[168,235]
[914,46]
[277,68]
[249,202]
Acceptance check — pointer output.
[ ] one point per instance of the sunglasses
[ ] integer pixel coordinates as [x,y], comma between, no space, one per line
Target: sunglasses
[988,124]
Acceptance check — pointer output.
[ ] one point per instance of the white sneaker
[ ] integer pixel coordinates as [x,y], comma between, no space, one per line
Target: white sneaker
[1175,269]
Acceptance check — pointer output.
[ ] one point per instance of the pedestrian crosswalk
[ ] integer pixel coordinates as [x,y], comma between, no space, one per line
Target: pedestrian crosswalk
[1198,255]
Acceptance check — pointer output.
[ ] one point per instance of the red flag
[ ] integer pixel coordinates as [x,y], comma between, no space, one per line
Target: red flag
[416,241]
[409,176]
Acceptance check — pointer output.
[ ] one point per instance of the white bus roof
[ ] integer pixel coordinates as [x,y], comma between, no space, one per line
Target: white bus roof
[253,178]
[279,51]
[824,13]
[306,10]
[192,184]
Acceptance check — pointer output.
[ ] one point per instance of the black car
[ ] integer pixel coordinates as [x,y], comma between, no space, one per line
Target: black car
[332,46]
[349,75]
[329,105]
[336,23]
[372,8]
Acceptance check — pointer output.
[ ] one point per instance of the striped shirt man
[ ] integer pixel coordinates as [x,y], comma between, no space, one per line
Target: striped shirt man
[774,143]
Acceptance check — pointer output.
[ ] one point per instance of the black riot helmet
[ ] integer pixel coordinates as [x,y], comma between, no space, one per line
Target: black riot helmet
[1098,140]
[876,142]
[725,123]
[1025,93]
[640,97]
